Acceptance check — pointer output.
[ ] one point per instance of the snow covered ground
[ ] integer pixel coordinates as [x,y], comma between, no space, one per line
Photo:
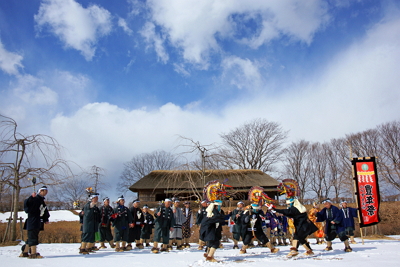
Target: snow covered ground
[55,216]
[381,253]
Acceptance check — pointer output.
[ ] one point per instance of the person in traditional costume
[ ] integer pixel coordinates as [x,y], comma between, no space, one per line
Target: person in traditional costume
[175,236]
[201,214]
[121,221]
[38,215]
[349,214]
[105,224]
[319,234]
[334,225]
[236,217]
[211,229]
[252,228]
[148,226]
[90,225]
[303,226]
[135,230]
[164,222]
[282,229]
[187,225]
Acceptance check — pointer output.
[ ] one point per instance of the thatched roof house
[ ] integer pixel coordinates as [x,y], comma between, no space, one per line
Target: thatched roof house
[158,185]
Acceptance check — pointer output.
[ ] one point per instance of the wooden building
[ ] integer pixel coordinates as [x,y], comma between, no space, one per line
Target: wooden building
[158,185]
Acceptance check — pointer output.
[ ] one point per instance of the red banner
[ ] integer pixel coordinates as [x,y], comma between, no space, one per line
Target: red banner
[367,190]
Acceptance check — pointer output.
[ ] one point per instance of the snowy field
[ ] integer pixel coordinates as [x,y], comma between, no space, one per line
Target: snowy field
[55,216]
[373,253]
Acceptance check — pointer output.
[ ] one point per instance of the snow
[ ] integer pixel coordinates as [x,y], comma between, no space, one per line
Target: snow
[385,252]
[55,216]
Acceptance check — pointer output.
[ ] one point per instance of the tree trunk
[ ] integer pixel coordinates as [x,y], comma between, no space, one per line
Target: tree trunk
[13,235]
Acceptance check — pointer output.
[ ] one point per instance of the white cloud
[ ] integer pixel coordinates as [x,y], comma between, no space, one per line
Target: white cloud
[243,73]
[122,23]
[9,62]
[155,40]
[194,27]
[78,27]
[32,91]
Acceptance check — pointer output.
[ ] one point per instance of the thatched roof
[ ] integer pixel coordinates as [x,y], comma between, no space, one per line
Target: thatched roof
[188,179]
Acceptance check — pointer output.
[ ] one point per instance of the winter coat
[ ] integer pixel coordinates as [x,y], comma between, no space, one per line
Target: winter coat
[137,215]
[105,213]
[37,211]
[247,225]
[148,223]
[211,228]
[201,214]
[348,216]
[337,217]
[302,224]
[166,220]
[123,217]
[272,220]
[237,227]
[91,218]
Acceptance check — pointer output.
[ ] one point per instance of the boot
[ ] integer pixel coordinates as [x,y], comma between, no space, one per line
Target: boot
[155,248]
[118,247]
[179,245]
[25,253]
[34,254]
[164,248]
[352,241]
[280,243]
[201,245]
[272,248]
[126,247]
[235,244]
[206,252]
[293,250]
[347,247]
[82,249]
[141,241]
[309,251]
[210,256]
[243,250]
[112,245]
[221,245]
[89,247]
[328,245]
[102,245]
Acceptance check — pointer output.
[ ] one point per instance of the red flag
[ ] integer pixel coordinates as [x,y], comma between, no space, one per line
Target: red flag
[367,190]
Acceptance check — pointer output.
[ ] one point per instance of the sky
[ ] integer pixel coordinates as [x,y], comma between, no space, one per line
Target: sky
[113,79]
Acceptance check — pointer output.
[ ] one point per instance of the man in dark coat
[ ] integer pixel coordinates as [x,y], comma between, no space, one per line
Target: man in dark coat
[334,225]
[201,214]
[211,229]
[164,222]
[148,226]
[236,217]
[121,220]
[302,224]
[252,227]
[348,220]
[90,224]
[105,224]
[38,215]
[134,231]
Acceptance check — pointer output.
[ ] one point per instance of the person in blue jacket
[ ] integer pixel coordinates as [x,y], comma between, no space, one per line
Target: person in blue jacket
[349,214]
[334,225]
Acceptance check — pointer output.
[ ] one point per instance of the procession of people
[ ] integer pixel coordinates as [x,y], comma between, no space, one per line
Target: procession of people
[126,228]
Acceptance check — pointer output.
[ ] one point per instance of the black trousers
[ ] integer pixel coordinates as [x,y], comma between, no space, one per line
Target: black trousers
[105,234]
[33,237]
[88,237]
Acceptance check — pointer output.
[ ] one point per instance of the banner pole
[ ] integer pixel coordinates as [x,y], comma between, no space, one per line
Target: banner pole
[355,191]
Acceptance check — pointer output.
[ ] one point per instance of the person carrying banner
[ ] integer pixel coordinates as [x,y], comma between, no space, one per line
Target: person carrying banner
[334,225]
[38,215]
[348,220]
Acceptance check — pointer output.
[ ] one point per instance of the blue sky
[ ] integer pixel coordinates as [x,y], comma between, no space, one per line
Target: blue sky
[112,79]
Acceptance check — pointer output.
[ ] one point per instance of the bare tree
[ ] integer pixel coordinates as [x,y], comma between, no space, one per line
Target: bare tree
[140,165]
[72,191]
[24,156]
[297,165]
[95,175]
[254,145]
[319,170]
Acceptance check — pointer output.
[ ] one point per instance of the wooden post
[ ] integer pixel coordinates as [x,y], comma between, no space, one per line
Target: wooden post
[7,228]
[21,228]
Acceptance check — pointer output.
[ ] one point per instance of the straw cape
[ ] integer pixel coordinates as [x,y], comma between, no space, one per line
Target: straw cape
[158,185]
